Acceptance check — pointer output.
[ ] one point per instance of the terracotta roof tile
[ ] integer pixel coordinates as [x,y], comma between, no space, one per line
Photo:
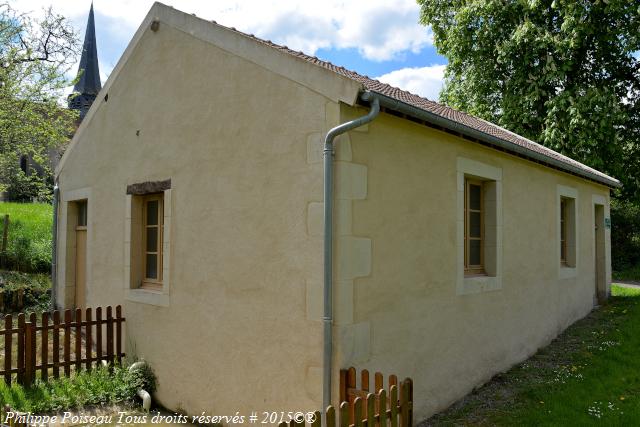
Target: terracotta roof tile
[435,108]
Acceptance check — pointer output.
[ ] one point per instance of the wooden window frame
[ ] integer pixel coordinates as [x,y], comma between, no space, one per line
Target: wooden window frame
[473,270]
[564,208]
[150,283]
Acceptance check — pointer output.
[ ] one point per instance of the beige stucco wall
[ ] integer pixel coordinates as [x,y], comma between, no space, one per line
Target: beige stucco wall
[408,317]
[239,329]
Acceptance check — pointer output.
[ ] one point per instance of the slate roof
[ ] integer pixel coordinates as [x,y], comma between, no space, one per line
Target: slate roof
[89,82]
[444,112]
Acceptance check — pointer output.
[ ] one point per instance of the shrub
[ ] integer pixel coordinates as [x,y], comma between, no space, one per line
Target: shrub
[28,188]
[625,235]
[36,289]
[100,386]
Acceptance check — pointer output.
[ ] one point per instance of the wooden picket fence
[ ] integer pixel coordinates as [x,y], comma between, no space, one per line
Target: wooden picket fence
[31,358]
[360,407]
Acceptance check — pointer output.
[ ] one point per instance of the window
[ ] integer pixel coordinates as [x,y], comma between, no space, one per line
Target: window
[567,237]
[563,231]
[473,227]
[479,227]
[147,245]
[152,219]
[567,230]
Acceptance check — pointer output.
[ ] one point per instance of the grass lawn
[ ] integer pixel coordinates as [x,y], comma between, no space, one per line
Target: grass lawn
[30,225]
[590,375]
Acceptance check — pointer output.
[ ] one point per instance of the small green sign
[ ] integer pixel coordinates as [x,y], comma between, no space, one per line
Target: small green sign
[607,222]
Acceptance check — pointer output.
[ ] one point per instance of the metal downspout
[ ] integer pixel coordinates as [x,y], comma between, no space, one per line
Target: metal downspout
[54,247]
[328,236]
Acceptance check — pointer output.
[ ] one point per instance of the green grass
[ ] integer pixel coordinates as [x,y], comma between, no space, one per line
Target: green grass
[29,247]
[97,387]
[590,375]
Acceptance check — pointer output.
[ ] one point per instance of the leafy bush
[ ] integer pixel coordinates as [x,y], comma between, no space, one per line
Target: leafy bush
[27,188]
[625,238]
[99,386]
[36,289]
[29,246]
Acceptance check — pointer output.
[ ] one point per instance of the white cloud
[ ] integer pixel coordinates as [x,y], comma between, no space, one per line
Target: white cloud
[424,81]
[378,29]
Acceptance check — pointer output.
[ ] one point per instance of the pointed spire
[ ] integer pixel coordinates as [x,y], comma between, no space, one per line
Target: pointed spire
[88,85]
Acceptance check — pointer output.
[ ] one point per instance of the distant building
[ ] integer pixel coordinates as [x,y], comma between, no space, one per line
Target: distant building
[88,86]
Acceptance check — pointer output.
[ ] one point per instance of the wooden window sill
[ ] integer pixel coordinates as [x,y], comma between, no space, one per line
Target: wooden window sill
[478,283]
[154,287]
[147,296]
[475,274]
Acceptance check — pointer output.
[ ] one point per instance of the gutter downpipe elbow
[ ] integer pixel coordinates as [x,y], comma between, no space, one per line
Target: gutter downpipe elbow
[327,318]
[54,247]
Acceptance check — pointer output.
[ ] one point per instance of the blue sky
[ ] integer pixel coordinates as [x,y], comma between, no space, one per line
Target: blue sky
[378,38]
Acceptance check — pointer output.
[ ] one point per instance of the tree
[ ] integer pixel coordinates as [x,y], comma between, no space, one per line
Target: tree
[35,55]
[564,73]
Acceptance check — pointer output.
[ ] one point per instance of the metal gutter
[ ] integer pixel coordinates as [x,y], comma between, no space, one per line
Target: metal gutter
[419,113]
[54,247]
[327,318]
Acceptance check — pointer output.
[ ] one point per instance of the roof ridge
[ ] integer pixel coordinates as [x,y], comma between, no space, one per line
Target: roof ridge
[430,106]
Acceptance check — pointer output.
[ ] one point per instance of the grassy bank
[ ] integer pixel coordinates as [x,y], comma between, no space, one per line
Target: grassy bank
[29,232]
[590,375]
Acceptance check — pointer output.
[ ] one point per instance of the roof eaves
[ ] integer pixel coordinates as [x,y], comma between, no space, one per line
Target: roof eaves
[475,134]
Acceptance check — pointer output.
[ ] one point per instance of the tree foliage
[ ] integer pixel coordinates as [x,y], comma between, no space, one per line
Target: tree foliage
[565,73]
[35,55]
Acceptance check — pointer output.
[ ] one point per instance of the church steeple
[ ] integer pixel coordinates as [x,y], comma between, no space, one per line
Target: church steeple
[88,86]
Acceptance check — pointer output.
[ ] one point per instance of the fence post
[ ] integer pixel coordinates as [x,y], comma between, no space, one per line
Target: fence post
[29,353]
[317,418]
[371,410]
[87,337]
[393,404]
[99,335]
[110,335]
[382,407]
[67,343]
[8,349]
[78,340]
[343,385]
[119,333]
[20,355]
[357,412]
[56,344]
[406,412]
[344,414]
[44,340]
[330,415]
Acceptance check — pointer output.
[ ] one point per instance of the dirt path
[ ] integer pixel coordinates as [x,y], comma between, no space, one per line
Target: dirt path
[627,283]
